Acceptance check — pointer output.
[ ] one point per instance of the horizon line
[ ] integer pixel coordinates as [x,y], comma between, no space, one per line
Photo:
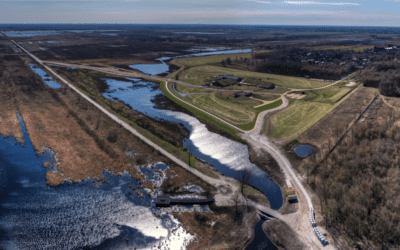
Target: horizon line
[177,24]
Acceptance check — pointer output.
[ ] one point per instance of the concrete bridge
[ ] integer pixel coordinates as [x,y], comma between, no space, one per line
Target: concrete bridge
[269,212]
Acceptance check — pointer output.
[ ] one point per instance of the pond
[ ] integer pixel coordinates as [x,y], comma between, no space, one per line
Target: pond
[46,78]
[304,150]
[160,68]
[227,156]
[153,69]
[78,216]
[260,241]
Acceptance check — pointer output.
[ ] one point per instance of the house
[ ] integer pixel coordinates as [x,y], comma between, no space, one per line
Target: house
[220,84]
[271,86]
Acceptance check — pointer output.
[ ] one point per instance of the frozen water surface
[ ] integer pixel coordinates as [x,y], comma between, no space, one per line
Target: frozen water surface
[83,215]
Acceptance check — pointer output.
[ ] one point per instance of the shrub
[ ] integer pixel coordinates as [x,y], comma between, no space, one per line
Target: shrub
[112,137]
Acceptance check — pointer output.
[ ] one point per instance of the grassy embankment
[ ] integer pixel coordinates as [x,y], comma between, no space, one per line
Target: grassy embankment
[205,74]
[187,90]
[176,98]
[237,111]
[296,119]
[85,84]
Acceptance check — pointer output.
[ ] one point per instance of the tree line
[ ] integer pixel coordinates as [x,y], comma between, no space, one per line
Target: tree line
[358,185]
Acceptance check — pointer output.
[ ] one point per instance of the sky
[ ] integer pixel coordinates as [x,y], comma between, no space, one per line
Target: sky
[252,12]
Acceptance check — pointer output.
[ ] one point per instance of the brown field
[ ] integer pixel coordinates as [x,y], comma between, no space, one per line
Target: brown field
[326,132]
[226,232]
[74,130]
[282,235]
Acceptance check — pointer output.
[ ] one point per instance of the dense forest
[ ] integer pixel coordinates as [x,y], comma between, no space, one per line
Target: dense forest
[330,64]
[358,185]
[383,75]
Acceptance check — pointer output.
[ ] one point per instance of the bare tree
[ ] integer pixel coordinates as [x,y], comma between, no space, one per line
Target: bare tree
[244,176]
[235,198]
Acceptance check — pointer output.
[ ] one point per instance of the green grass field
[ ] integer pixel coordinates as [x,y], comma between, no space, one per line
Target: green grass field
[188,90]
[269,106]
[240,111]
[204,74]
[327,95]
[237,111]
[265,97]
[175,97]
[298,118]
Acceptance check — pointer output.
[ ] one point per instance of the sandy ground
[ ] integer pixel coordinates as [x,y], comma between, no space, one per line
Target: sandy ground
[296,96]
[350,84]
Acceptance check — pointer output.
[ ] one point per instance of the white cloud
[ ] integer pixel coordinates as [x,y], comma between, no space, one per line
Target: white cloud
[323,3]
[307,2]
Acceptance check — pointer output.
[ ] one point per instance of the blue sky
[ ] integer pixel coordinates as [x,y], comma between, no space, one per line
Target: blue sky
[265,12]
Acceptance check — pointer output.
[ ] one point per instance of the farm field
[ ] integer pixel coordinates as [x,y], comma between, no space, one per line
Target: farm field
[204,74]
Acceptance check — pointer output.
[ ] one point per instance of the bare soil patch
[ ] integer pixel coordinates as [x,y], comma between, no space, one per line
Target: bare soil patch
[296,96]
[282,235]
[350,84]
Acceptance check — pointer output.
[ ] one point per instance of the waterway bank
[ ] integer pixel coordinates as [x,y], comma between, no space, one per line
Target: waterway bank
[228,157]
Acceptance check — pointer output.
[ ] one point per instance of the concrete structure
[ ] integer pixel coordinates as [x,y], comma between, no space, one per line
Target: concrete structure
[166,201]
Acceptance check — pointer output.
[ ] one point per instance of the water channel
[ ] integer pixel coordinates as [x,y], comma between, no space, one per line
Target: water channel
[83,215]
[228,156]
[46,78]
[260,241]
